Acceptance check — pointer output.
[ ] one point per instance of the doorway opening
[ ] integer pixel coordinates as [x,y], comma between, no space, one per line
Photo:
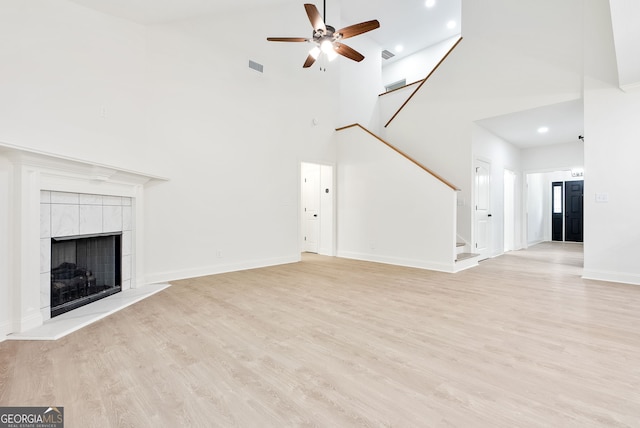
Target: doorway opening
[554,207]
[317,212]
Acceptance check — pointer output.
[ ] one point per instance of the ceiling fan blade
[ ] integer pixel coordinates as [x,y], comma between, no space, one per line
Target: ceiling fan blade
[347,52]
[354,30]
[314,16]
[287,39]
[309,62]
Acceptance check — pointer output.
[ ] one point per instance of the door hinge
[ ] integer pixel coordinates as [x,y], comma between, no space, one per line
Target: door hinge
[305,238]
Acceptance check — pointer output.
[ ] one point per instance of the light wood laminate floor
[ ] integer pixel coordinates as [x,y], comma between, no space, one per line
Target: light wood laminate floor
[520,341]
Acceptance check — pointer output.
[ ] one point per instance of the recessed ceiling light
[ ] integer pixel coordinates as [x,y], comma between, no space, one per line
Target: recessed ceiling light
[430,3]
[399,48]
[543,130]
[451,25]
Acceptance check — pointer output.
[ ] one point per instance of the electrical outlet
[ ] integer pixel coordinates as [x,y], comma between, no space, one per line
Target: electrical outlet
[602,197]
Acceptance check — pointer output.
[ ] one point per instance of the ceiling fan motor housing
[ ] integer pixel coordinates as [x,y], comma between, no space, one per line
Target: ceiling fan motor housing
[321,35]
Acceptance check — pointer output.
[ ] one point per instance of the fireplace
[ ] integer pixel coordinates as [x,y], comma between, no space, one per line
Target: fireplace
[84,269]
[45,197]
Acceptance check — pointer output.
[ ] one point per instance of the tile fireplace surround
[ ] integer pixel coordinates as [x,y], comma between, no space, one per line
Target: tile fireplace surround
[64,214]
[49,196]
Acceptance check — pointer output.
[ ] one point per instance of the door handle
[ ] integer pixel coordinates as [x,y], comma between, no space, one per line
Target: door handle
[315,215]
[488,215]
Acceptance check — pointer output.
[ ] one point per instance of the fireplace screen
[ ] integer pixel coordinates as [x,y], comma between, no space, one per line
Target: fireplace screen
[83,270]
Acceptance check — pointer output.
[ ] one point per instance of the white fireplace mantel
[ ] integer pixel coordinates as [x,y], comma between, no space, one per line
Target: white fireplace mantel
[32,172]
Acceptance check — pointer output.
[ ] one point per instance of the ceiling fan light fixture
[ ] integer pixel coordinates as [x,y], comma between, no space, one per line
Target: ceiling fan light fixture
[331,55]
[315,52]
[326,46]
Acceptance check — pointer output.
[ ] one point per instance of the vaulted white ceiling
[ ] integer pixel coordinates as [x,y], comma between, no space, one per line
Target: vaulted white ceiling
[402,22]
[411,24]
[162,11]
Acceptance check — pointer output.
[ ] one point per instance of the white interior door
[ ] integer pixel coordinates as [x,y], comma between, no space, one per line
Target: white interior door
[482,208]
[317,209]
[310,175]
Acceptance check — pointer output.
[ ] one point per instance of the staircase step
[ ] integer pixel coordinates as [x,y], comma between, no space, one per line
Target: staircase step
[465,256]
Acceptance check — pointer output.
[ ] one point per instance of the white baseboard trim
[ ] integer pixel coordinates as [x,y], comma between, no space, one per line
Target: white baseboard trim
[218,269]
[397,261]
[5,330]
[600,275]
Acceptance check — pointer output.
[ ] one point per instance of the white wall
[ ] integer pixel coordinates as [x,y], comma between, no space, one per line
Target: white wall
[389,209]
[554,157]
[231,140]
[360,85]
[611,154]
[72,82]
[418,65]
[611,157]
[611,231]
[502,155]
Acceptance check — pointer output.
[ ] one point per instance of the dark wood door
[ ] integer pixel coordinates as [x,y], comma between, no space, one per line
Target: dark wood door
[574,217]
[557,211]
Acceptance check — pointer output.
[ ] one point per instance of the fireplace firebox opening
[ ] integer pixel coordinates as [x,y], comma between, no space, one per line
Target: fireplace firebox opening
[84,269]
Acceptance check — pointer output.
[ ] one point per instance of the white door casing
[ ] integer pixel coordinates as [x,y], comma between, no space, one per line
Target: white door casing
[310,182]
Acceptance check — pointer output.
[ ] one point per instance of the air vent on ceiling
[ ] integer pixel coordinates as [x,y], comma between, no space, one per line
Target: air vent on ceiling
[257,67]
[386,54]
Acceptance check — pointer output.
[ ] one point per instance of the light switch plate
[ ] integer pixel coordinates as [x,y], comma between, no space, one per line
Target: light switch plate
[602,197]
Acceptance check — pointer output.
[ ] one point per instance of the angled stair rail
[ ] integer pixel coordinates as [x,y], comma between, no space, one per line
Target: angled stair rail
[422,82]
[357,125]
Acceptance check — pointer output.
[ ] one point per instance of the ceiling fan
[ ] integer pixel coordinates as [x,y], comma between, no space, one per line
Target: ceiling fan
[326,39]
